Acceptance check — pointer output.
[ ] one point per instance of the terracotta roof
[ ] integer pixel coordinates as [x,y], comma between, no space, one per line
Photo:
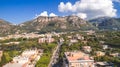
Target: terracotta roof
[71,56]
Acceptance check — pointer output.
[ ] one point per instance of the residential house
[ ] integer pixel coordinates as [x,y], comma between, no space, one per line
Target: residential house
[44,39]
[115,54]
[79,37]
[73,40]
[100,53]
[105,47]
[87,49]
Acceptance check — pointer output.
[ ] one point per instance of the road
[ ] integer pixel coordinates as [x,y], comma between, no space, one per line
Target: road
[55,55]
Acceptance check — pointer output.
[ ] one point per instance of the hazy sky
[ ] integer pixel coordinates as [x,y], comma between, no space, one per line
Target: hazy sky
[18,11]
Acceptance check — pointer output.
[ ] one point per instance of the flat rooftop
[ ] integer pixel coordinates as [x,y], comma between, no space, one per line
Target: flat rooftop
[13,65]
[77,55]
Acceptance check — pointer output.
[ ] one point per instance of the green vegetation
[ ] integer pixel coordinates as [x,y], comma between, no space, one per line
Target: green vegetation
[111,38]
[45,59]
[12,50]
[8,55]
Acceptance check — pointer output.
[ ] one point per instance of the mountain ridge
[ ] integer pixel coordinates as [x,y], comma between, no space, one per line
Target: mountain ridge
[106,23]
[59,24]
[54,23]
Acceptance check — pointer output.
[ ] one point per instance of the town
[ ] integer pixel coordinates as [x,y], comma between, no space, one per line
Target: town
[65,49]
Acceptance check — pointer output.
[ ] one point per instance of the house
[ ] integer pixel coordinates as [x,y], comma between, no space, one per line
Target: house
[87,49]
[100,35]
[44,39]
[12,43]
[100,53]
[69,37]
[79,37]
[105,47]
[73,40]
[2,38]
[61,40]
[90,32]
[115,54]
[77,59]
[50,40]
[104,64]
[41,40]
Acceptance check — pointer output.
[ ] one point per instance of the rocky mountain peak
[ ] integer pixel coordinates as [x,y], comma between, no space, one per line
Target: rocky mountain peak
[71,18]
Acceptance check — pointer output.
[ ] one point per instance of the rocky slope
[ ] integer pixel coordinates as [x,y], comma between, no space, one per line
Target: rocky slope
[106,23]
[6,27]
[46,24]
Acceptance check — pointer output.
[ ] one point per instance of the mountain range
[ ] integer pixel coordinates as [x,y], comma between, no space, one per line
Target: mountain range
[6,27]
[106,23]
[44,24]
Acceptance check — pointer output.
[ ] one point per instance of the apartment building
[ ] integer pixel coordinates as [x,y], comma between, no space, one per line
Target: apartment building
[77,59]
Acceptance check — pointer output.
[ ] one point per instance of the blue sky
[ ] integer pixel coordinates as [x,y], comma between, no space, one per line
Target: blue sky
[18,11]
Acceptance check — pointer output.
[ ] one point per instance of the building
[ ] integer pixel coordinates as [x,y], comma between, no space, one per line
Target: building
[115,54]
[79,37]
[41,40]
[12,43]
[100,53]
[50,40]
[73,40]
[69,37]
[44,39]
[77,59]
[100,35]
[90,32]
[87,49]
[61,40]
[104,64]
[105,47]
[27,59]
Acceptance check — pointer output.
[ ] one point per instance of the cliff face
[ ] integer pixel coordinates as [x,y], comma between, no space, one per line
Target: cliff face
[60,19]
[55,23]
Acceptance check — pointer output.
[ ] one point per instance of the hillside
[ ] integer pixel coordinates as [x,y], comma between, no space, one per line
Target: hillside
[6,27]
[106,23]
[47,24]
[59,24]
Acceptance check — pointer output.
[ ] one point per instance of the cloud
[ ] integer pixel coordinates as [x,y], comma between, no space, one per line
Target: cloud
[65,7]
[45,13]
[82,15]
[52,15]
[89,8]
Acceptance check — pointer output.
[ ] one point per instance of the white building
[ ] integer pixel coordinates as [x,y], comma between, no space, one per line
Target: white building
[87,49]
[25,58]
[105,47]
[73,40]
